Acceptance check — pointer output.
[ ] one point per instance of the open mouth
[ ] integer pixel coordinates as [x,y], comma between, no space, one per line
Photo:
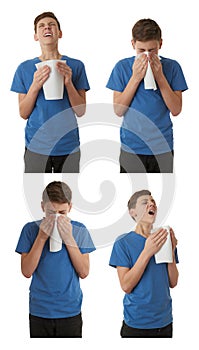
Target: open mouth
[47,35]
[151,212]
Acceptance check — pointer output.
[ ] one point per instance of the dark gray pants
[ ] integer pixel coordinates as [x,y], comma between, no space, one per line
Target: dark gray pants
[129,332]
[139,163]
[70,327]
[39,163]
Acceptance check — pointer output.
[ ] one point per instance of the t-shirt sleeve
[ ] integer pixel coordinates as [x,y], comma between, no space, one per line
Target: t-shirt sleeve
[26,239]
[115,81]
[83,238]
[119,255]
[178,82]
[18,83]
[80,78]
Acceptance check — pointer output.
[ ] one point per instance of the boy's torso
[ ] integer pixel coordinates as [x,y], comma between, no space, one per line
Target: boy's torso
[149,304]
[147,128]
[55,289]
[52,127]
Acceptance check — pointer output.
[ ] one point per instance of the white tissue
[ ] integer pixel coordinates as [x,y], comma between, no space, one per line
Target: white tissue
[55,238]
[149,81]
[54,86]
[164,255]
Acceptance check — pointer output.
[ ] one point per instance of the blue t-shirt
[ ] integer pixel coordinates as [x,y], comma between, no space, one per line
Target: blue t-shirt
[149,304]
[52,128]
[147,127]
[55,289]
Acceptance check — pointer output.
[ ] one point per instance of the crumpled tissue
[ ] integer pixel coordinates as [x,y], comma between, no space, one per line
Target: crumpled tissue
[55,238]
[164,255]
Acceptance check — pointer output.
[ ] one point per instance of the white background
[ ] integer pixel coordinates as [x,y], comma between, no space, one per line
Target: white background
[99,33]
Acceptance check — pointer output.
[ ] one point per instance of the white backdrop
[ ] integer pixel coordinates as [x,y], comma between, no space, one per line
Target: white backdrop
[99,34]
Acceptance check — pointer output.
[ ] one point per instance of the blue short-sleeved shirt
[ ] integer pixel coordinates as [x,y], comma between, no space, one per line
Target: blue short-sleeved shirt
[52,128]
[55,289]
[147,127]
[149,305]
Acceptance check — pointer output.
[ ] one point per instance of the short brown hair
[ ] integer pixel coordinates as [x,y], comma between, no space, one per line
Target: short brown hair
[44,15]
[145,30]
[57,192]
[133,200]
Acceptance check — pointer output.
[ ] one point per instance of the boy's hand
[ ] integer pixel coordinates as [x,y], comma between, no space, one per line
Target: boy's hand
[140,67]
[156,65]
[66,71]
[174,241]
[65,229]
[155,241]
[40,77]
[46,227]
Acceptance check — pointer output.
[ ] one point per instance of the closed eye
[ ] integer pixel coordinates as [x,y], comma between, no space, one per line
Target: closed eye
[144,203]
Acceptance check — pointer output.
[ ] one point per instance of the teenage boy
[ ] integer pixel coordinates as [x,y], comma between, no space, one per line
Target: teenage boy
[147,302]
[51,133]
[55,293]
[146,133]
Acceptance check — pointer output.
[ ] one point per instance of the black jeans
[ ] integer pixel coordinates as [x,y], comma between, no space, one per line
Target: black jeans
[70,327]
[39,163]
[139,163]
[129,332]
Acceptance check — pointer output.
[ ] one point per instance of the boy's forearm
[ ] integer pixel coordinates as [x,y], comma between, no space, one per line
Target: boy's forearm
[133,276]
[172,99]
[77,99]
[27,102]
[80,261]
[30,261]
[123,100]
[173,273]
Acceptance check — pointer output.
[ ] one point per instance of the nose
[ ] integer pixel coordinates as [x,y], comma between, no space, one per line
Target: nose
[151,202]
[47,26]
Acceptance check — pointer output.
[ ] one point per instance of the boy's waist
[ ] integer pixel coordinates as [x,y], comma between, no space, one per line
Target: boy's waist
[132,143]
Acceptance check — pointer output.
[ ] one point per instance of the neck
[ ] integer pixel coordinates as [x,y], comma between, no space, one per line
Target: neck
[143,229]
[50,54]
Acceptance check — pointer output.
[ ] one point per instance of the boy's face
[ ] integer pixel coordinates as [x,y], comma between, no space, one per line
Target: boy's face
[145,210]
[47,31]
[52,208]
[152,46]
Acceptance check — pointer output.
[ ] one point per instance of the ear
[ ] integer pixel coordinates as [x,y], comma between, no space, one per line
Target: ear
[160,44]
[42,206]
[36,37]
[133,43]
[60,34]
[133,213]
[69,207]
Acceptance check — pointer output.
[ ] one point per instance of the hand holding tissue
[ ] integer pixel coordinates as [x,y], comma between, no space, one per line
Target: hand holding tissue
[164,255]
[55,238]
[149,81]
[54,86]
